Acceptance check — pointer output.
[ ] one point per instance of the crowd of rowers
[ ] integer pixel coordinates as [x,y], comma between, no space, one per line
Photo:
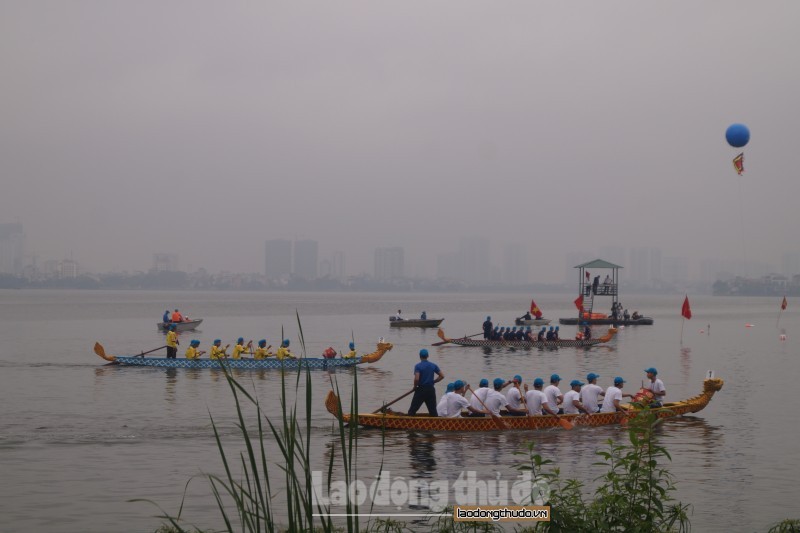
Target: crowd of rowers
[525,333]
[520,400]
[241,349]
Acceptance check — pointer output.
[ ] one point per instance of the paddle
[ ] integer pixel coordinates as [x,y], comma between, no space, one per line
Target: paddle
[566,424]
[497,420]
[445,341]
[151,351]
[393,402]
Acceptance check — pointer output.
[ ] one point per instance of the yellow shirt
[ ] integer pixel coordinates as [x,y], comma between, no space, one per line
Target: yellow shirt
[262,353]
[349,355]
[191,353]
[238,350]
[172,339]
[218,352]
[284,353]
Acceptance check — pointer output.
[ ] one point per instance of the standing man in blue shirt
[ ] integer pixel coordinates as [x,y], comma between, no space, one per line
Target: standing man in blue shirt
[424,390]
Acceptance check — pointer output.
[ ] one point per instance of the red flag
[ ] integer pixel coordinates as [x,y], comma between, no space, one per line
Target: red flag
[686,311]
[784,304]
[535,309]
[579,303]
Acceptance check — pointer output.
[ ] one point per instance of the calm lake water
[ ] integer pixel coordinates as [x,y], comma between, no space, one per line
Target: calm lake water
[79,439]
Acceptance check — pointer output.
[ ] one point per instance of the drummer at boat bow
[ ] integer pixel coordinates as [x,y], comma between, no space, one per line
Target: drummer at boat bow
[172,343]
[656,386]
[352,353]
[424,384]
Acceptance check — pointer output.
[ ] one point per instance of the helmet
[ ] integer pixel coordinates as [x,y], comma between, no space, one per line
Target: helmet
[286,342]
[484,383]
[423,353]
[195,342]
[352,346]
[240,340]
[217,341]
[262,343]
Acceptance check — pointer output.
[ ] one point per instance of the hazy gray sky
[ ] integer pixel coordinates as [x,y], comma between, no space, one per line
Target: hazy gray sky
[204,128]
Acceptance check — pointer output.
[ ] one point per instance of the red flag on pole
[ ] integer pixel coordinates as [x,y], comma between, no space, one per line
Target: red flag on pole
[579,303]
[784,304]
[535,311]
[686,311]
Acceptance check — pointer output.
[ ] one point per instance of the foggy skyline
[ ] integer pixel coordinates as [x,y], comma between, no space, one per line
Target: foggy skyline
[205,129]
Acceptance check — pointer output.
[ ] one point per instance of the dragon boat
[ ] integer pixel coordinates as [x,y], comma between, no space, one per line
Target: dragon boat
[313,363]
[561,343]
[394,420]
[640,321]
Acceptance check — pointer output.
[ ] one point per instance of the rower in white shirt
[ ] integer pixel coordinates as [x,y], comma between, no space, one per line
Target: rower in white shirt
[456,401]
[553,393]
[656,386]
[441,407]
[572,399]
[613,399]
[514,397]
[591,392]
[496,400]
[480,393]
[537,400]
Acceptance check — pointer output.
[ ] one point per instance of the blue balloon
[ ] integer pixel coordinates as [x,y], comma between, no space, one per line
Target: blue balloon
[737,135]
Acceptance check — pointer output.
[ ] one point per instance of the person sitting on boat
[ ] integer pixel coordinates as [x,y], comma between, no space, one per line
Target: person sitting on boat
[425,384]
[172,342]
[496,400]
[528,336]
[541,335]
[262,352]
[456,402]
[656,386]
[505,332]
[398,315]
[424,315]
[555,333]
[591,392]
[514,397]
[553,393]
[217,351]
[487,328]
[352,353]
[480,393]
[177,317]
[495,335]
[165,318]
[549,335]
[521,334]
[613,398]
[537,400]
[192,352]
[572,399]
[241,348]
[441,407]
[636,315]
[526,316]
[283,352]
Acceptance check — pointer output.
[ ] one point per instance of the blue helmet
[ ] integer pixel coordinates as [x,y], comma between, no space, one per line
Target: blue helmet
[488,318]
[458,384]
[195,342]
[352,346]
[484,383]
[262,343]
[551,328]
[451,387]
[498,383]
[514,328]
[217,341]
[423,353]
[240,340]
[538,382]
[556,328]
[286,342]
[555,378]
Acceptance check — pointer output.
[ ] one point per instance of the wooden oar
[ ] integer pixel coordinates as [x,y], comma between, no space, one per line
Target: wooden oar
[393,402]
[151,351]
[497,419]
[566,424]
[440,333]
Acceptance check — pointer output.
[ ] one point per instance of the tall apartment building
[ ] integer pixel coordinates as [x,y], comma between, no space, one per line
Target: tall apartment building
[306,259]
[389,263]
[278,258]
[515,264]
[165,262]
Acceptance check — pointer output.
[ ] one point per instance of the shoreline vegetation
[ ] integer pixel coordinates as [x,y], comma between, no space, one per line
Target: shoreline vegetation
[257,493]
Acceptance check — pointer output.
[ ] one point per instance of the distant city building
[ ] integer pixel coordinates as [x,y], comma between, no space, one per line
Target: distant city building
[475,252]
[675,270]
[68,269]
[790,263]
[645,265]
[12,248]
[515,264]
[389,263]
[338,265]
[305,259]
[165,262]
[448,266]
[278,258]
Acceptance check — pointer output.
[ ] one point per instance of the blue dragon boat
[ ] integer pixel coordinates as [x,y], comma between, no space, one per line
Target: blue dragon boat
[312,363]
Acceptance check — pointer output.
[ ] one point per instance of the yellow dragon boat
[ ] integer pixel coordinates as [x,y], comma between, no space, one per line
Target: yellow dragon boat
[394,420]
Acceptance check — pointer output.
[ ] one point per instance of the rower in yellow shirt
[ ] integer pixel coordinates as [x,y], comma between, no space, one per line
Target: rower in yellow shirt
[262,352]
[352,353]
[172,343]
[192,352]
[241,348]
[283,352]
[217,352]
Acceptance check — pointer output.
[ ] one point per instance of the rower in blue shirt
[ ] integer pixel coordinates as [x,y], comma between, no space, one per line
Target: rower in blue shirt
[424,390]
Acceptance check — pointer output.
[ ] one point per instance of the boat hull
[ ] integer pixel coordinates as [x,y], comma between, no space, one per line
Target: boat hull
[391,420]
[563,343]
[181,326]
[315,363]
[643,321]
[532,322]
[415,323]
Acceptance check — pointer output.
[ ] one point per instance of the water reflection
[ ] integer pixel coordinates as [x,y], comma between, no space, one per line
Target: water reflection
[686,363]
[421,451]
[172,379]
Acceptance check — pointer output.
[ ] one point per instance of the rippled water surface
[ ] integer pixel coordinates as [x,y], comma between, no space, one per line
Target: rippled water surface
[79,439]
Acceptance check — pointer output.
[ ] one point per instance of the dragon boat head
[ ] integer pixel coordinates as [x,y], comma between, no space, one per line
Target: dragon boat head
[712,385]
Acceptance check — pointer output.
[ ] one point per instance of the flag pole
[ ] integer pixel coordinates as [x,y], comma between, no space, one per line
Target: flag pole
[683,319]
